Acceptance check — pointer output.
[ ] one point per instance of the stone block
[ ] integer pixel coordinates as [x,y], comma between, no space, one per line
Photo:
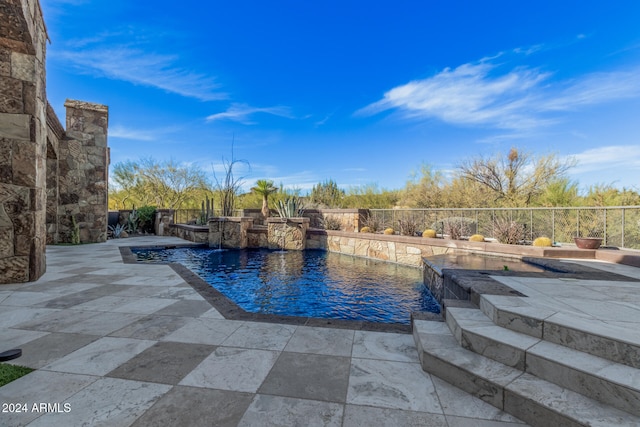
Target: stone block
[15,269]
[11,88]
[24,164]
[15,126]
[6,237]
[23,67]
[5,62]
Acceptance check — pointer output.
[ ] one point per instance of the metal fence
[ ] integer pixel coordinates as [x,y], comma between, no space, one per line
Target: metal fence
[617,226]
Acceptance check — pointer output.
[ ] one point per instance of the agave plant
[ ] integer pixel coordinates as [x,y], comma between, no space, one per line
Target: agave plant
[292,207]
[117,230]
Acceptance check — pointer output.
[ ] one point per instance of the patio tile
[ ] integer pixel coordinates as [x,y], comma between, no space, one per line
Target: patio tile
[51,347]
[204,331]
[125,304]
[308,376]
[100,356]
[108,401]
[12,316]
[196,407]
[396,385]
[151,327]
[316,340]
[174,360]
[234,369]
[473,422]
[10,338]
[366,416]
[102,323]
[185,308]
[37,387]
[212,314]
[57,320]
[286,411]
[385,346]
[27,299]
[265,336]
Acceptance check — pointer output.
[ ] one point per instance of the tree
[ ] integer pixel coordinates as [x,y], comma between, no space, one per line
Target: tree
[264,188]
[559,192]
[369,196]
[165,184]
[425,191]
[327,194]
[517,178]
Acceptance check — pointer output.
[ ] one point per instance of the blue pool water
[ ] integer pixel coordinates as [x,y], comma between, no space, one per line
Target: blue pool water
[307,283]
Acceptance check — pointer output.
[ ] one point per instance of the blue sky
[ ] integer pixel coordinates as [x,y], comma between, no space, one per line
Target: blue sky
[361,92]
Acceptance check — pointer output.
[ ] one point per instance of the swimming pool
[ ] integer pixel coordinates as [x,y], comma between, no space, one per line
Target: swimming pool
[307,283]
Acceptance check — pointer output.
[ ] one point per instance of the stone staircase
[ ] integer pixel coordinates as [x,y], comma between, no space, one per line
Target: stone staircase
[545,367]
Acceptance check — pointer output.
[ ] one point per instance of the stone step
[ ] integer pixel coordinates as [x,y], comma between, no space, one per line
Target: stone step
[595,377]
[531,399]
[574,330]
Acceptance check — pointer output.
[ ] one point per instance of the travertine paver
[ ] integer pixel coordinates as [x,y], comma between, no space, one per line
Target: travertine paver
[135,345]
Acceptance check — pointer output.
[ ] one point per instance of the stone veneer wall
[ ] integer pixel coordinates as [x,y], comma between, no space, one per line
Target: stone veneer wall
[83,164]
[350,219]
[23,141]
[46,174]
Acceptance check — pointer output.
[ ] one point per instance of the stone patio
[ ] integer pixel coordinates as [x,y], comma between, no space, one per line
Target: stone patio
[127,344]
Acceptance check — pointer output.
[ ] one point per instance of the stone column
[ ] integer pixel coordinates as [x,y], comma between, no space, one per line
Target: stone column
[83,165]
[22,141]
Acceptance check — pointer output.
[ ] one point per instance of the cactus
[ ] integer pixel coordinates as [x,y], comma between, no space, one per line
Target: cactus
[389,231]
[365,230]
[476,238]
[429,233]
[542,241]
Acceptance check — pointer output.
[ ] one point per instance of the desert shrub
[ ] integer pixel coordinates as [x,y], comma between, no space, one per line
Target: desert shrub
[408,226]
[509,232]
[542,241]
[476,238]
[331,223]
[389,231]
[372,223]
[456,228]
[146,217]
[429,233]
[365,230]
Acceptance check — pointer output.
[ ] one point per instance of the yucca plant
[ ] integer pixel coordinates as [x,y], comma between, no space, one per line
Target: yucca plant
[291,207]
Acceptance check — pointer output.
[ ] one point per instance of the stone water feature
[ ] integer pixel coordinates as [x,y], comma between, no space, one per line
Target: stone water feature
[287,233]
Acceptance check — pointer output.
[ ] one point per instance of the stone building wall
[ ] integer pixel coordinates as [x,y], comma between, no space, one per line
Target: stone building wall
[23,136]
[83,164]
[46,174]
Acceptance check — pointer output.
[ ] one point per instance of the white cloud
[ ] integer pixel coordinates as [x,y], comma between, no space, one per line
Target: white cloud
[118,131]
[613,157]
[521,99]
[136,66]
[241,112]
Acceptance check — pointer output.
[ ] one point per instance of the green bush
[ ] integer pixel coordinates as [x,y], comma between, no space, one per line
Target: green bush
[146,218]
